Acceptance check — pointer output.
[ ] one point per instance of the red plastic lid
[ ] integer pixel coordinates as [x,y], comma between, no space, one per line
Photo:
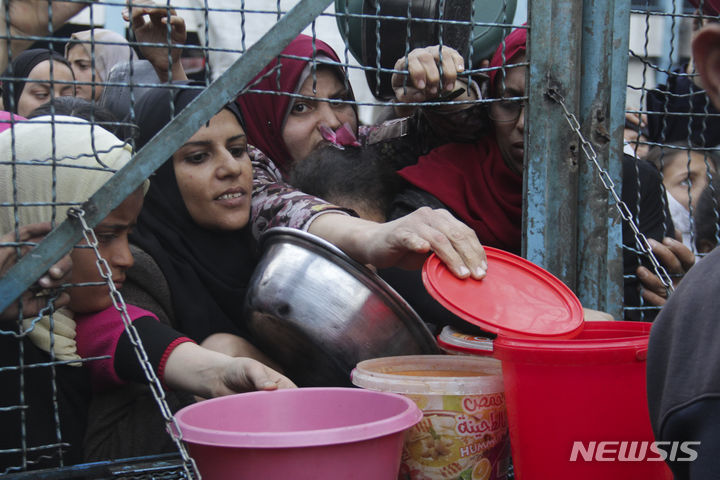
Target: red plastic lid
[516,299]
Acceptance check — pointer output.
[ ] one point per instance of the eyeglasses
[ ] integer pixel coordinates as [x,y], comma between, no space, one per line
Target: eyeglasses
[506,111]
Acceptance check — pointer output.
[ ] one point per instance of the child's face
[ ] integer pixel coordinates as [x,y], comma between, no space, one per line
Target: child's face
[685,176]
[112,235]
[38,91]
[214,174]
[301,132]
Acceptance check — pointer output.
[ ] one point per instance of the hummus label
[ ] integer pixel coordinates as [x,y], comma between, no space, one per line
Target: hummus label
[461,437]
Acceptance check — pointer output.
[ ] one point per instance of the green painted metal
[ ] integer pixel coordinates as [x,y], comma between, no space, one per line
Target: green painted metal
[161,147]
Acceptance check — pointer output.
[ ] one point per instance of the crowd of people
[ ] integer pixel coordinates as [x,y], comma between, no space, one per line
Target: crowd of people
[288,151]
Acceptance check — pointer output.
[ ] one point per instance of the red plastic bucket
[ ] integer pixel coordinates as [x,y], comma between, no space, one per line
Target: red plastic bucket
[303,434]
[577,408]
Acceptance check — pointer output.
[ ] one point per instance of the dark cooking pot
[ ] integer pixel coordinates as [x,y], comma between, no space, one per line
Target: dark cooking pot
[318,313]
[357,21]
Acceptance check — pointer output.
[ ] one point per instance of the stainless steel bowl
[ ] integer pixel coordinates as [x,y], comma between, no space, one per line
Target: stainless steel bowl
[318,313]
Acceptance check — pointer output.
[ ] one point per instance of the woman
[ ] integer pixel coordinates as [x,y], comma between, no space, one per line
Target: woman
[482,182]
[405,242]
[92,54]
[36,76]
[71,160]
[685,172]
[310,68]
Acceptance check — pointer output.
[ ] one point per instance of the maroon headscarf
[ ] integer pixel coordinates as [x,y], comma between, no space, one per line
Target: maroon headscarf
[513,45]
[710,7]
[265,113]
[473,180]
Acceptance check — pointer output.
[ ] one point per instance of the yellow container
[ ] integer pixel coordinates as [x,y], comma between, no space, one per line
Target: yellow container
[463,434]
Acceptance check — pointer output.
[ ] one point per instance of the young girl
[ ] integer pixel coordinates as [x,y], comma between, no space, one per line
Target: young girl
[91,62]
[49,76]
[54,168]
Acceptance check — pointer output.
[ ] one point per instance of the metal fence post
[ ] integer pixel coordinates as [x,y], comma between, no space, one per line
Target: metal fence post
[606,26]
[551,153]
[160,148]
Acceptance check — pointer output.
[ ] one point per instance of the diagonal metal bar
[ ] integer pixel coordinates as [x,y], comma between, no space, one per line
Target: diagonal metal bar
[159,149]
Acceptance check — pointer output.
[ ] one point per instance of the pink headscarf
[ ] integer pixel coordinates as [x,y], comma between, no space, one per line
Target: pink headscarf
[265,113]
[7,119]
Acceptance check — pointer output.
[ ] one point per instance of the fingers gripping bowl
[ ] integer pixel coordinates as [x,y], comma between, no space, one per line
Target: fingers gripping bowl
[318,313]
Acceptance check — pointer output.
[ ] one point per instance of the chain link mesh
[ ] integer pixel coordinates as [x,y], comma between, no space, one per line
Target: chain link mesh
[587,148]
[156,388]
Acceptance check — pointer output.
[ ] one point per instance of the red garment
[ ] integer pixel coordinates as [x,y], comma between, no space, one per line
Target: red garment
[513,44]
[474,182]
[710,7]
[473,179]
[98,334]
[265,113]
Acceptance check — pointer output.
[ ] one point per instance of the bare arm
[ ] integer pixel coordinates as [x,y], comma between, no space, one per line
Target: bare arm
[206,373]
[407,241]
[154,29]
[31,18]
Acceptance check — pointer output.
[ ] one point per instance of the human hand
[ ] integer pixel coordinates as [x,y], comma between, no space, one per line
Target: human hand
[58,338]
[245,374]
[35,298]
[207,373]
[590,315]
[634,134]
[155,30]
[677,260]
[236,346]
[406,241]
[30,18]
[423,81]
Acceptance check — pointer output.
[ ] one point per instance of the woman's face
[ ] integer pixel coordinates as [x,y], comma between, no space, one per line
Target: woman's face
[112,235]
[509,117]
[214,174]
[82,68]
[300,132]
[38,89]
[681,177]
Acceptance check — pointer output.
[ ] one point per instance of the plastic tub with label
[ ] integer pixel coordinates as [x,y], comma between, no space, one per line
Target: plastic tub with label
[463,433]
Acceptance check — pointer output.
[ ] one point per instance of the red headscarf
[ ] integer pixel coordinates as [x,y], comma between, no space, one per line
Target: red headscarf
[265,113]
[710,7]
[513,45]
[473,179]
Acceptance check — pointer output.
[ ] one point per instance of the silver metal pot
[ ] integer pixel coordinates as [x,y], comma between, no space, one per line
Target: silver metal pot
[318,313]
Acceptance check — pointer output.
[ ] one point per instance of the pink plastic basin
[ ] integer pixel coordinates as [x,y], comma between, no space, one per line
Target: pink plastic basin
[307,433]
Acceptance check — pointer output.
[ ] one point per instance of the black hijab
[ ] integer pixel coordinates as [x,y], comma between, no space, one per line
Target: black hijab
[19,70]
[207,270]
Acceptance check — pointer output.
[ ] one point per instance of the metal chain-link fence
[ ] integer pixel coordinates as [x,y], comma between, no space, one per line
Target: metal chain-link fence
[574,177]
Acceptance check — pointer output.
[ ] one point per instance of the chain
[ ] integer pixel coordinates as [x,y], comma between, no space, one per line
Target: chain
[154,383]
[609,185]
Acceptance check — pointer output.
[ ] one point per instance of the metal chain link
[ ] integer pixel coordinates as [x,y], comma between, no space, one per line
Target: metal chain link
[609,185]
[155,386]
